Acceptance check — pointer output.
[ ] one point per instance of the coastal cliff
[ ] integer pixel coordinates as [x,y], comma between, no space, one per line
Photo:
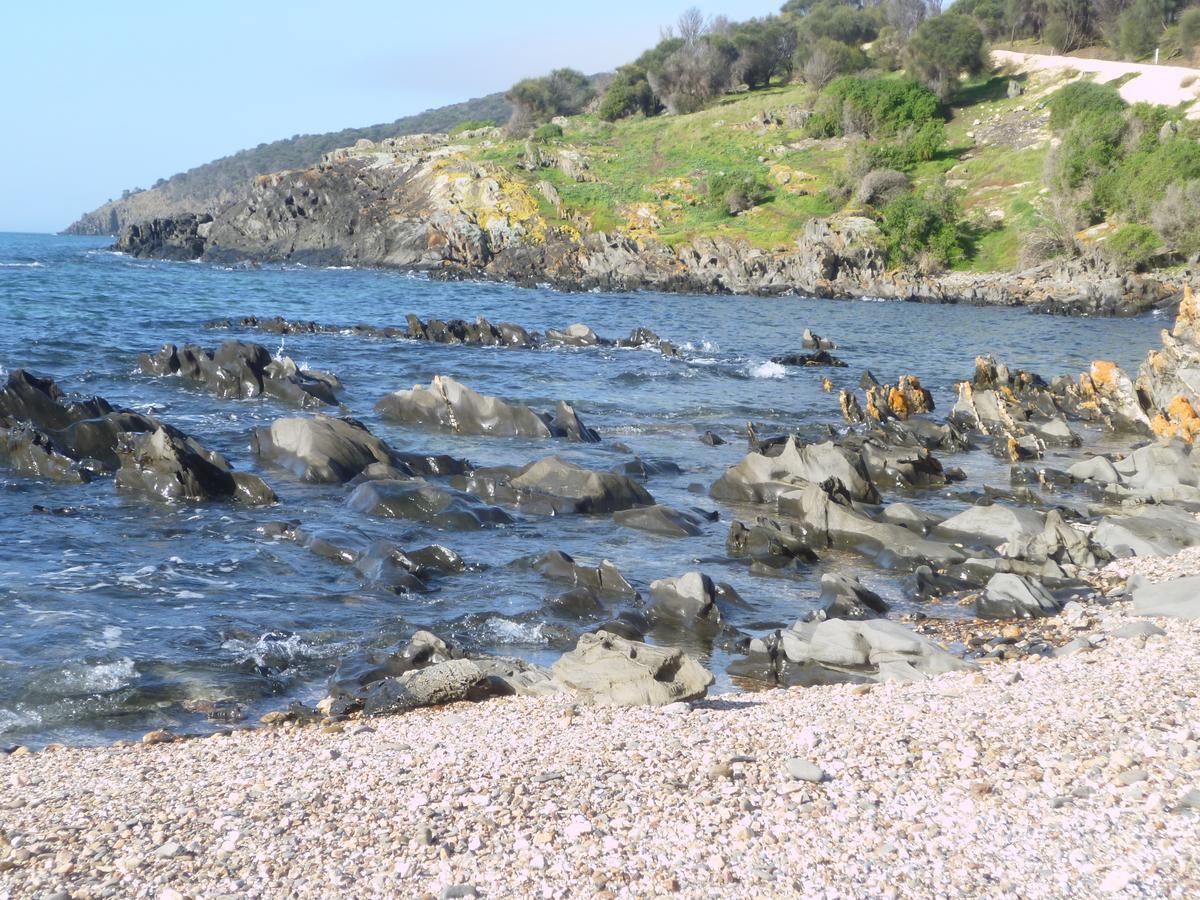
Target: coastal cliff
[425,203]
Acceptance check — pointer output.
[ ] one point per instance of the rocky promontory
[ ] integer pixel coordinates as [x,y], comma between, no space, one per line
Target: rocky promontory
[423,203]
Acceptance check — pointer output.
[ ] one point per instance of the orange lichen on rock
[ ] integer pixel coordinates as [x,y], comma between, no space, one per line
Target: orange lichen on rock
[1104,375]
[1178,420]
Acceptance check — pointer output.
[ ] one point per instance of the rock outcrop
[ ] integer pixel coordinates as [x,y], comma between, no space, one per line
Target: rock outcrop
[611,671]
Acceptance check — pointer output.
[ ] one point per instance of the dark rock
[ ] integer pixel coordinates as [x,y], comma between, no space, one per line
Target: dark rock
[421,501]
[1011,596]
[844,597]
[558,566]
[661,520]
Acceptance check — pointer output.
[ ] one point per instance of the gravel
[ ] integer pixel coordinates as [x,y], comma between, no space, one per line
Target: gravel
[1080,777]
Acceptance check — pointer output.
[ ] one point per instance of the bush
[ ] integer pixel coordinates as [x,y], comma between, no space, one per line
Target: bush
[1069,103]
[1189,29]
[854,104]
[737,192]
[990,15]
[692,75]
[1176,217]
[628,93]
[564,92]
[881,186]
[1139,28]
[1131,246]
[472,125]
[548,132]
[944,47]
[1132,187]
[924,224]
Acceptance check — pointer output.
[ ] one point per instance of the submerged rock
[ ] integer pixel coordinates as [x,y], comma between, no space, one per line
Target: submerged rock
[662,520]
[452,406]
[558,566]
[609,670]
[418,500]
[553,486]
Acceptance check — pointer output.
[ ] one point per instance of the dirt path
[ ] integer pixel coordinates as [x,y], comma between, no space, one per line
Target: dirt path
[1164,85]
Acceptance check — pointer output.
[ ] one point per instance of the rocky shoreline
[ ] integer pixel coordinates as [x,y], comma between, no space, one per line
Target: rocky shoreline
[418,204]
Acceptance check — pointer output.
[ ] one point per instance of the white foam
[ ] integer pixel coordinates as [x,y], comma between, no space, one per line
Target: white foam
[768,369]
[22,265]
[506,631]
[108,676]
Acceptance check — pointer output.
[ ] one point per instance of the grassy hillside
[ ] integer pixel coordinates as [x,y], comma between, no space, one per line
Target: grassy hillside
[651,176]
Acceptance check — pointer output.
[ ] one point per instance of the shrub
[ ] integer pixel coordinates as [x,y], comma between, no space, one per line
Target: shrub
[472,125]
[944,47]
[1134,186]
[926,141]
[1131,246]
[854,104]
[990,15]
[548,132]
[928,223]
[1074,100]
[765,49]
[1139,28]
[1176,217]
[692,75]
[737,192]
[881,186]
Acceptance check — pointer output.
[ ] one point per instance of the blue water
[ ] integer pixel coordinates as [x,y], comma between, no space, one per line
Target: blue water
[110,619]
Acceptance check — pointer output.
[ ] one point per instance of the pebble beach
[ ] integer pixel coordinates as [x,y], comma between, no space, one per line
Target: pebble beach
[1069,776]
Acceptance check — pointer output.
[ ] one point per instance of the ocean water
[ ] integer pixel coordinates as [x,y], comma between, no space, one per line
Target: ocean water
[114,619]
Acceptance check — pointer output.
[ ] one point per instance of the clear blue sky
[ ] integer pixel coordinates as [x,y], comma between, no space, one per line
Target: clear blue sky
[103,96]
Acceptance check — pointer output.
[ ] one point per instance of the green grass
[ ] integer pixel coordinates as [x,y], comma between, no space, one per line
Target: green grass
[628,159]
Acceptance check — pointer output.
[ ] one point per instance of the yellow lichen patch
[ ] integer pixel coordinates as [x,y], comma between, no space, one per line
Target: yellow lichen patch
[1180,420]
[641,219]
[678,188]
[791,180]
[898,403]
[826,384]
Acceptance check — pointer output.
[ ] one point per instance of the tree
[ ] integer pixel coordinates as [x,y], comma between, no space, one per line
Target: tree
[1069,24]
[1139,27]
[942,48]
[693,75]
[830,58]
[564,92]
[764,51]
[906,15]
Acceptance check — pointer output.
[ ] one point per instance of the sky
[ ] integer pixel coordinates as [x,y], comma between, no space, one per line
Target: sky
[98,97]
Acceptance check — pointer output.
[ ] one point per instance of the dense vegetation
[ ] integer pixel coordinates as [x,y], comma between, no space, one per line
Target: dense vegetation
[876,89]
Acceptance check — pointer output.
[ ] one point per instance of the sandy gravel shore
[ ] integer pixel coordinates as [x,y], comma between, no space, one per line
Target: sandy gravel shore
[1071,776]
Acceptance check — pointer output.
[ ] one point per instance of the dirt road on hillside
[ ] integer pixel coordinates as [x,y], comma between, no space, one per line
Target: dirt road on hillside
[1164,85]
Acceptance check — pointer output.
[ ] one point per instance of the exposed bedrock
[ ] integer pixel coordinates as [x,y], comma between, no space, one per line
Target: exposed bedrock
[44,433]
[452,406]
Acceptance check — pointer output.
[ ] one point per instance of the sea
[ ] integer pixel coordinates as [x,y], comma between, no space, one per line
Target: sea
[128,615]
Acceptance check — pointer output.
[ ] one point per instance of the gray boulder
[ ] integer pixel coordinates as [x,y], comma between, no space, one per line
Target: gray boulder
[553,486]
[689,602]
[1178,599]
[609,670]
[27,450]
[879,650]
[1010,596]
[329,450]
[452,681]
[760,478]
[844,597]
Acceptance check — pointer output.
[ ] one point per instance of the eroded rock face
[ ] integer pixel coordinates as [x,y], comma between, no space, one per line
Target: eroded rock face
[611,671]
[449,405]
[239,370]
